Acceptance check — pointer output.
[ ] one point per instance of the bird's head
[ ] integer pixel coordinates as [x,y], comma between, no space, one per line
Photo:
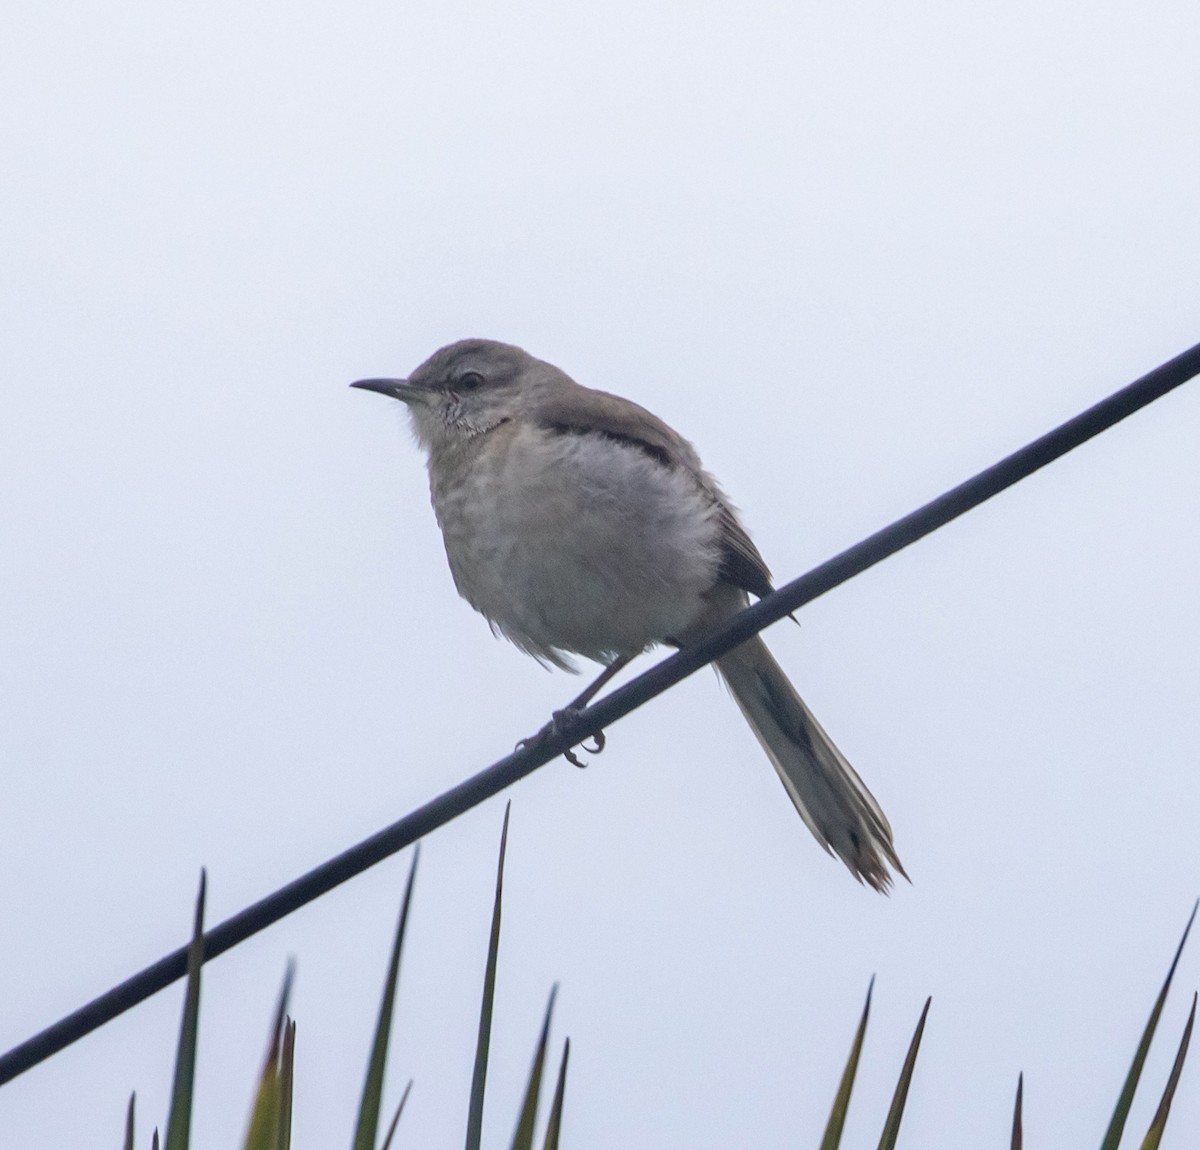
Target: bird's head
[466,389]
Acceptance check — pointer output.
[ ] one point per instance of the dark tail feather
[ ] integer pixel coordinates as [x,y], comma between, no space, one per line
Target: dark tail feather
[831,798]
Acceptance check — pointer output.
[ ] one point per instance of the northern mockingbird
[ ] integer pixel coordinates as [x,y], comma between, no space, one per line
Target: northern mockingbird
[578,523]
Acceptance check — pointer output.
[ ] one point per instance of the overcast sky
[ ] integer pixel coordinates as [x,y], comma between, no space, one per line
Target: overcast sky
[855,252]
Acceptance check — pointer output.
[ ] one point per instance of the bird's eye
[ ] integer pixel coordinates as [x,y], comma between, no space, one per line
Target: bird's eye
[468,381]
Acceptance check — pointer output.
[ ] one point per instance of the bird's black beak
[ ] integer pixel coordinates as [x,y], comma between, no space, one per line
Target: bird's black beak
[402,389]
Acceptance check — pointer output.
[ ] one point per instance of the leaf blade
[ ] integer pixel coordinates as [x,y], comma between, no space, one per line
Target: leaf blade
[1116,1126]
[554,1123]
[523,1137]
[483,1042]
[263,1130]
[367,1128]
[387,1142]
[180,1116]
[841,1102]
[1018,1130]
[891,1126]
[1159,1123]
[129,1121]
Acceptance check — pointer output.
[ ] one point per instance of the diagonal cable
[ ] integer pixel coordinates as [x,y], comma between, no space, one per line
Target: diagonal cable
[616,705]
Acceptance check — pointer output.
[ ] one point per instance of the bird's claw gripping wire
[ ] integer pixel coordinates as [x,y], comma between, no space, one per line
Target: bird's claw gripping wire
[555,726]
[573,710]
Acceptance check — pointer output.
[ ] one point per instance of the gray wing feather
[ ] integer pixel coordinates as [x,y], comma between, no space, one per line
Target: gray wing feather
[589,412]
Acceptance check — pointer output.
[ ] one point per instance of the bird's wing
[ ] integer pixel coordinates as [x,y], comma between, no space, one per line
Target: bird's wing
[741,563]
[586,411]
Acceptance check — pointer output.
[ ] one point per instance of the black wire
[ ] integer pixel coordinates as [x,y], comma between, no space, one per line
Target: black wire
[614,706]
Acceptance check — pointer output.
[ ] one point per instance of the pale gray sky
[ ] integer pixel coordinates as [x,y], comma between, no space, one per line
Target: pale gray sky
[855,253]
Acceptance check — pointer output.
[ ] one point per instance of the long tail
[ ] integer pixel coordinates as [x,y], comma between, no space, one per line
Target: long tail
[831,798]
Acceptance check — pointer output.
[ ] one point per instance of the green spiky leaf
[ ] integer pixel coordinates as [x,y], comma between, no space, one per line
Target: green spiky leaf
[266,1119]
[287,1084]
[554,1122]
[367,1128]
[1159,1123]
[180,1120]
[1018,1136]
[387,1142]
[287,1078]
[891,1127]
[1116,1127]
[129,1121]
[841,1102]
[523,1138]
[483,1043]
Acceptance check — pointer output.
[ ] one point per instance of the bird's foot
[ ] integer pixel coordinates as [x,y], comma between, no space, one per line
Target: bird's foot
[555,726]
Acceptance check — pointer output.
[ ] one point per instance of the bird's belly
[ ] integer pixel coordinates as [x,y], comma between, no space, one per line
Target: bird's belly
[575,543]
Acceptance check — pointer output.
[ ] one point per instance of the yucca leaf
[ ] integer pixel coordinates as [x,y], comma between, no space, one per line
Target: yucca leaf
[265,1118]
[387,1142]
[554,1122]
[841,1102]
[154,1140]
[129,1121]
[180,1120]
[368,1112]
[1159,1124]
[523,1138]
[483,1044]
[287,1079]
[891,1128]
[1018,1136]
[263,1133]
[1116,1127]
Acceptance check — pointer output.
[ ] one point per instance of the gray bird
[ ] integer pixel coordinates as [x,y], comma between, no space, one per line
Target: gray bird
[578,523]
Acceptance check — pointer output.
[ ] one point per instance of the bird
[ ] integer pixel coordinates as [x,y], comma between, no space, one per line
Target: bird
[580,524]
